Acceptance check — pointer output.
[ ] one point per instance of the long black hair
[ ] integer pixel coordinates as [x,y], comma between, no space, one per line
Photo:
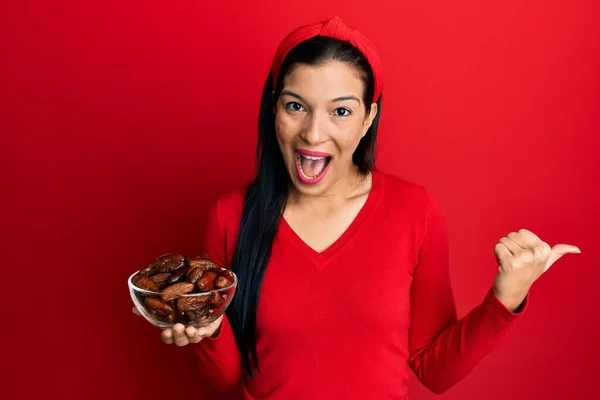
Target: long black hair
[267,194]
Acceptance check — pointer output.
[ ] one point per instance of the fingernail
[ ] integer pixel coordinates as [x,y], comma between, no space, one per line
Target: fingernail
[201,332]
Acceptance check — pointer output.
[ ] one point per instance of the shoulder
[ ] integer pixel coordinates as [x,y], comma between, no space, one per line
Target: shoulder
[407,202]
[229,205]
[400,191]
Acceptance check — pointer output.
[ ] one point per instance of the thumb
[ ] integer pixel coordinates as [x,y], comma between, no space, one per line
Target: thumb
[560,250]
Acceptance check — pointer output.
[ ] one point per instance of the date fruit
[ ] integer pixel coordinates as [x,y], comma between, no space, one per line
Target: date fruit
[194,274]
[222,282]
[172,292]
[192,303]
[170,263]
[158,305]
[205,265]
[207,281]
[178,276]
[216,299]
[228,274]
[160,280]
[147,284]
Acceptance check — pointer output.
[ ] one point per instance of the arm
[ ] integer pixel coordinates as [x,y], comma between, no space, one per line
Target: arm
[443,350]
[219,356]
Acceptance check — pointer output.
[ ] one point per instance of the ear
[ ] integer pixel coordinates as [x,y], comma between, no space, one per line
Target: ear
[369,119]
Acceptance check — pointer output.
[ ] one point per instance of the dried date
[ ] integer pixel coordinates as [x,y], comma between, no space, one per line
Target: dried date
[204,265]
[158,305]
[192,303]
[178,276]
[170,263]
[194,274]
[146,283]
[228,274]
[150,269]
[216,299]
[172,292]
[222,282]
[207,281]
[161,280]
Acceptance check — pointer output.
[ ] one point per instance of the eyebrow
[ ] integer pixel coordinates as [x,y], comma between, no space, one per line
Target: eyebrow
[337,99]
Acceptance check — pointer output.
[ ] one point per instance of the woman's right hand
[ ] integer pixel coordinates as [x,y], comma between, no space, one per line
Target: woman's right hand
[181,336]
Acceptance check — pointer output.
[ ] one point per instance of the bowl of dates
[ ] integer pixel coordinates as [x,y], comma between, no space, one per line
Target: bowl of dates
[176,289]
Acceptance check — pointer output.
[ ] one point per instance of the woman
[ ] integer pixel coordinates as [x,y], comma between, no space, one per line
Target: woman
[343,269]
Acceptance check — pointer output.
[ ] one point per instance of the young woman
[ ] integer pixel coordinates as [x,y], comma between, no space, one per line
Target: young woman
[343,269]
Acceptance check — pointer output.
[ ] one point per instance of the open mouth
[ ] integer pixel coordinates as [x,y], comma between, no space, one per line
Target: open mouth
[311,167]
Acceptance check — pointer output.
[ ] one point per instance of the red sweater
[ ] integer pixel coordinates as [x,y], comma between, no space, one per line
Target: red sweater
[348,322]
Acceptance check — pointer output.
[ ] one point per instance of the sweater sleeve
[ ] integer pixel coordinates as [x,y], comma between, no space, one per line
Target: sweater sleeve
[444,349]
[219,356]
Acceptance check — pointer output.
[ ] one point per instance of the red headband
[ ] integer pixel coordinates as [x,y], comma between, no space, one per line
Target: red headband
[333,28]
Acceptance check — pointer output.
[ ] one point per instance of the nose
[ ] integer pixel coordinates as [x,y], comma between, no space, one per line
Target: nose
[315,130]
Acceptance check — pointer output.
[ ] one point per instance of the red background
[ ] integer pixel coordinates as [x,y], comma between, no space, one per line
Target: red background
[121,121]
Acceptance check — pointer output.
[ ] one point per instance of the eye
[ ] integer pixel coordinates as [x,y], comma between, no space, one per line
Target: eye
[342,112]
[294,106]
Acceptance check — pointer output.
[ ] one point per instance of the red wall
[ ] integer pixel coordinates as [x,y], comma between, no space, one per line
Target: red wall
[115,121]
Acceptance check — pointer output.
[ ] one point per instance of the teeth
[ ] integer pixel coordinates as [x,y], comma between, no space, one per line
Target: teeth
[310,157]
[298,155]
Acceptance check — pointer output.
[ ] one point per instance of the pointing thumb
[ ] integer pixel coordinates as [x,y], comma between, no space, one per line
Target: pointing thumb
[560,250]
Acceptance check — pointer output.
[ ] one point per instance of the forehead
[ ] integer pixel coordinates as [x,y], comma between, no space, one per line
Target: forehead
[326,81]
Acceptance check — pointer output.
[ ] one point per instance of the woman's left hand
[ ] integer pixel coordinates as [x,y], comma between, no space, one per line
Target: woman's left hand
[523,258]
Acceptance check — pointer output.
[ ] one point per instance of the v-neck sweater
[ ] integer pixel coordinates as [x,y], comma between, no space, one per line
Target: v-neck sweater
[349,322]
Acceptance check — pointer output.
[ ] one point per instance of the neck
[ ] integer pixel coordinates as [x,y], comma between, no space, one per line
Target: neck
[352,184]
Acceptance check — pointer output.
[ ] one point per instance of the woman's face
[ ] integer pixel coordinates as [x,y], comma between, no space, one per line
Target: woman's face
[319,120]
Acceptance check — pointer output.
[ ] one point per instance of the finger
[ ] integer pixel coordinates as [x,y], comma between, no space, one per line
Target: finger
[541,250]
[565,248]
[520,240]
[512,246]
[526,239]
[190,331]
[502,252]
[529,236]
[135,311]
[179,336]
[560,250]
[192,334]
[166,336]
[196,339]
